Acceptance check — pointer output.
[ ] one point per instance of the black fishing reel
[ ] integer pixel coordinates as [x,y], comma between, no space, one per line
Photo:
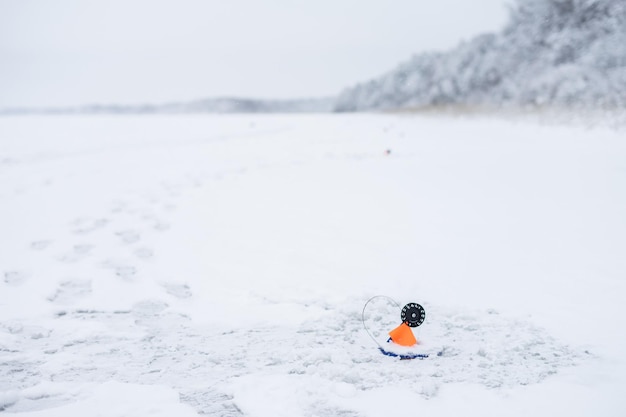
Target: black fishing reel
[413,314]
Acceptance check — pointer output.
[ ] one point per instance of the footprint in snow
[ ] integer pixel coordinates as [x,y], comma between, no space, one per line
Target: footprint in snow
[29,331]
[14,278]
[144,253]
[177,290]
[71,291]
[122,270]
[129,236]
[83,226]
[40,244]
[149,308]
[161,226]
[77,253]
[126,272]
[146,216]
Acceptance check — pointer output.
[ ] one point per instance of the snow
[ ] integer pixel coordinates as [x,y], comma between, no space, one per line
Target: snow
[114,399]
[182,265]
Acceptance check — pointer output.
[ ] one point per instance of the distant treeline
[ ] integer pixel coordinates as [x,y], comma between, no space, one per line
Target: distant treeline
[214,105]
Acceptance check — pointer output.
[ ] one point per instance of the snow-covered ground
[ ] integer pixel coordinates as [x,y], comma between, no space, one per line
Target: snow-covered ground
[183,265]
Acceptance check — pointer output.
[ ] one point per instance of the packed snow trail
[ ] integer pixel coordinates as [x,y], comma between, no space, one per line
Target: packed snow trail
[219,265]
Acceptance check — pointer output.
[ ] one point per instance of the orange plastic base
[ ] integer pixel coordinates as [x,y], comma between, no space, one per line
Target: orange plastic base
[403,335]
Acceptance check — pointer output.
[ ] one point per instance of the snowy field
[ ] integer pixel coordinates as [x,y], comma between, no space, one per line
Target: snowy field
[184,265]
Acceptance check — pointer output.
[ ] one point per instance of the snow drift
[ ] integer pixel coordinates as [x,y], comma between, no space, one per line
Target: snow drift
[218,265]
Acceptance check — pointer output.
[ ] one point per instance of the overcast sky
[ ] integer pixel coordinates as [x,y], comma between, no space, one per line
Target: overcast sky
[69,52]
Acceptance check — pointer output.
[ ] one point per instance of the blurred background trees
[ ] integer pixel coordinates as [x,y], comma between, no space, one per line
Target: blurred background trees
[558,53]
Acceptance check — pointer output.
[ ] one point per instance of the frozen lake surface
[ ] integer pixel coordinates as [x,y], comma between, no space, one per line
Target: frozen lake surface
[184,265]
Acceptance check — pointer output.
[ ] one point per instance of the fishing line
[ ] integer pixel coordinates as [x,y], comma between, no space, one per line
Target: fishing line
[363,315]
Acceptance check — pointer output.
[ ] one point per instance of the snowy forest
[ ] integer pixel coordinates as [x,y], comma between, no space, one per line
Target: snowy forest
[558,53]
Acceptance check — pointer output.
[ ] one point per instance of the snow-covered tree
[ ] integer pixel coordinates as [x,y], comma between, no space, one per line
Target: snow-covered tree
[569,53]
